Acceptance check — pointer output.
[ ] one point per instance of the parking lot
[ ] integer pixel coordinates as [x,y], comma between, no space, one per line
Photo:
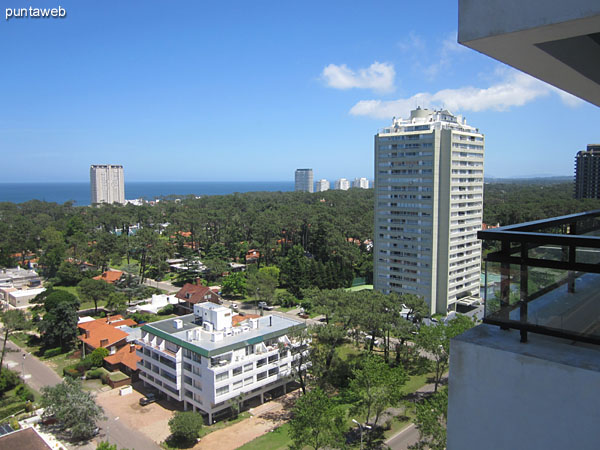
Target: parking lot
[151,420]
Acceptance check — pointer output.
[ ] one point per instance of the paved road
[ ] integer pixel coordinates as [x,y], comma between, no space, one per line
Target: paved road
[37,375]
[408,435]
[165,286]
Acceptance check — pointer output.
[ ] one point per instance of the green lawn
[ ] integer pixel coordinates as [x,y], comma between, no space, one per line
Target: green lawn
[277,439]
[83,305]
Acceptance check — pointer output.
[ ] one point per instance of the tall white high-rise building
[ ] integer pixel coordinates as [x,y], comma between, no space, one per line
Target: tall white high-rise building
[304,180]
[342,184]
[322,185]
[428,208]
[107,183]
[361,183]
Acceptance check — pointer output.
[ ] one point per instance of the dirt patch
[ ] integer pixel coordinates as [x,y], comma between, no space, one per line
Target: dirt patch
[266,417]
[152,419]
[236,435]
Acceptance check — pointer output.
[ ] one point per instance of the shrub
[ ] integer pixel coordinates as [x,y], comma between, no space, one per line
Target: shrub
[14,423]
[51,352]
[166,310]
[94,374]
[23,393]
[71,371]
[186,426]
[97,356]
[8,380]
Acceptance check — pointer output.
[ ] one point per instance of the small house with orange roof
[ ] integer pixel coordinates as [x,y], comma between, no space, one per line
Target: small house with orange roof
[110,276]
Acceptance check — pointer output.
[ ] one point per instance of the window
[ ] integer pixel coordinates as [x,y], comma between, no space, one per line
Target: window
[248,367]
[238,385]
[237,371]
[222,376]
[223,390]
[261,376]
[248,381]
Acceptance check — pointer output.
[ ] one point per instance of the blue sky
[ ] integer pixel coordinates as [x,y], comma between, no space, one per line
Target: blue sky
[244,91]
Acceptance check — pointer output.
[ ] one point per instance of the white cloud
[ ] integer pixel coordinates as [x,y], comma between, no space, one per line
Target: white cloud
[449,49]
[412,42]
[378,77]
[516,89]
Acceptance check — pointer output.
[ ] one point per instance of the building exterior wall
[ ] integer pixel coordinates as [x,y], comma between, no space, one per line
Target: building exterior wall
[360,183]
[428,208]
[342,184]
[304,180]
[206,383]
[587,173]
[107,184]
[505,395]
[322,185]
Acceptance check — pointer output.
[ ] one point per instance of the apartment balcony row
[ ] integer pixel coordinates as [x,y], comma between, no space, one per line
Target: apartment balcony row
[544,277]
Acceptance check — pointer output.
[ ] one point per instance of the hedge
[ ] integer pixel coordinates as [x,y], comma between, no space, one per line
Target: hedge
[96,373]
[12,409]
[9,401]
[51,352]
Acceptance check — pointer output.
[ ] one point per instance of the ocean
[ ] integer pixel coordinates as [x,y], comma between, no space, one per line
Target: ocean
[79,193]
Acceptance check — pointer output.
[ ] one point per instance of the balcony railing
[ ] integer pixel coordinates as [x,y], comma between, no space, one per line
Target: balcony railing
[544,277]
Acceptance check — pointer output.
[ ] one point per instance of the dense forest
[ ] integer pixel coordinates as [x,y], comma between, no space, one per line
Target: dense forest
[510,203]
[320,239]
[329,228]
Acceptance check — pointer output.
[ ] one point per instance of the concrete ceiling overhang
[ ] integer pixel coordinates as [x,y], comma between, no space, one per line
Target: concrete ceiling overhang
[557,42]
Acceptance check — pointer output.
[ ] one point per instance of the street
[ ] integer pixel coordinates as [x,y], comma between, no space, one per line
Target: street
[37,375]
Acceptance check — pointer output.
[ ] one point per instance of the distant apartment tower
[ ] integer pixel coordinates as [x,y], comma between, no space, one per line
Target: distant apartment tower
[342,184]
[322,185]
[304,180]
[107,184]
[428,208]
[361,183]
[587,172]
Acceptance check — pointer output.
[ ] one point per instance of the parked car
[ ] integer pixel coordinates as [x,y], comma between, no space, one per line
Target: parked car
[150,398]
[265,306]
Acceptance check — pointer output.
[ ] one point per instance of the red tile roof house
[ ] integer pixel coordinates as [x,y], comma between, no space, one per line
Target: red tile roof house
[104,333]
[110,276]
[190,294]
[125,360]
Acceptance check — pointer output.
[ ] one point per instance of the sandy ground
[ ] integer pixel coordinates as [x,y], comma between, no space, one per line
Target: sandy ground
[152,419]
[265,418]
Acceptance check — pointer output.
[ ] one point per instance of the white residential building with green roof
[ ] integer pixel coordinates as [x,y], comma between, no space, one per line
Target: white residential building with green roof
[206,358]
[428,208]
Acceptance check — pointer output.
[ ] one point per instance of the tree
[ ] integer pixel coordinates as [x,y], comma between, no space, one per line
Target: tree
[262,283]
[185,426]
[116,302]
[94,290]
[316,422]
[59,324]
[12,320]
[295,271]
[105,445]
[68,274]
[430,420]
[75,409]
[234,284]
[376,386]
[435,341]
[53,251]
[300,339]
